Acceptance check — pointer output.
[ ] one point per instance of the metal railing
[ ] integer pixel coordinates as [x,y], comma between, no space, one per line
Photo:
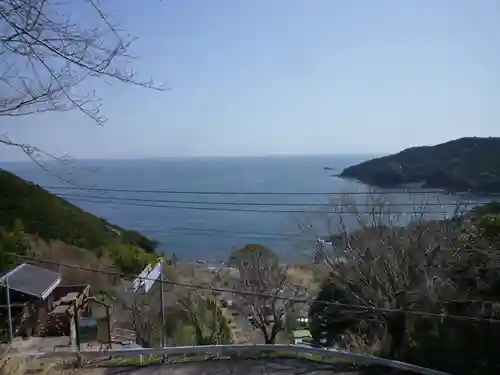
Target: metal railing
[239,350]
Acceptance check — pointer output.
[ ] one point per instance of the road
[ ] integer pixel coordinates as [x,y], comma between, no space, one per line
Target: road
[238,367]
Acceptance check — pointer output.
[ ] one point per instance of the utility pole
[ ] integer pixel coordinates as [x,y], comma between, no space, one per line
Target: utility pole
[162,304]
[9,313]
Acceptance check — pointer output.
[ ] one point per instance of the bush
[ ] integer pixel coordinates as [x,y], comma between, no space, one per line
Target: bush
[129,258]
[12,242]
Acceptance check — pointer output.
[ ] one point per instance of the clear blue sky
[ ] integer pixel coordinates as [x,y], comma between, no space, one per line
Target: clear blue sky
[258,77]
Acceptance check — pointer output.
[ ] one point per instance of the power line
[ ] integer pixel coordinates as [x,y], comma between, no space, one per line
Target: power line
[236,235]
[226,203]
[228,234]
[210,230]
[204,192]
[118,201]
[201,231]
[262,295]
[247,237]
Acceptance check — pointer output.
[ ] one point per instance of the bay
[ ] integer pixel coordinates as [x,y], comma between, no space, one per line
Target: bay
[209,232]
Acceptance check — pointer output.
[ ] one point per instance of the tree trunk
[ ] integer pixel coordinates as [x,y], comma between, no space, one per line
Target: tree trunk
[267,339]
[277,328]
[200,339]
[396,327]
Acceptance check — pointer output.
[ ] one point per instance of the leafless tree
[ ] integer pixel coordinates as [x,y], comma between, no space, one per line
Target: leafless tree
[382,264]
[51,52]
[146,321]
[266,294]
[140,313]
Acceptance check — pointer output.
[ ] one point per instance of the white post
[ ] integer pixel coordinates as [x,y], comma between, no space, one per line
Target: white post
[9,313]
[162,306]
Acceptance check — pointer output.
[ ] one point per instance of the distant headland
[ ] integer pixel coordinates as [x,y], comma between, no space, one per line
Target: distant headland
[463,165]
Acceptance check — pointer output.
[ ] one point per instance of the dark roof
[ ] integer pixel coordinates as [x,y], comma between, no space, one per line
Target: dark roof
[35,281]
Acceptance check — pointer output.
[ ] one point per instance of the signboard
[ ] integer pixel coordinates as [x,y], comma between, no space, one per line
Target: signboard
[145,281]
[153,276]
[138,282]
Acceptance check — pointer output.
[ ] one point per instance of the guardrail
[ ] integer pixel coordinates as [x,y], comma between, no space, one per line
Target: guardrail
[238,349]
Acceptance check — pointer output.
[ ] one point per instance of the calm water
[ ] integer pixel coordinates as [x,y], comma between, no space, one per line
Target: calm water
[210,232]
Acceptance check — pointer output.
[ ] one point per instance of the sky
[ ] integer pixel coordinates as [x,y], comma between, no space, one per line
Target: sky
[261,77]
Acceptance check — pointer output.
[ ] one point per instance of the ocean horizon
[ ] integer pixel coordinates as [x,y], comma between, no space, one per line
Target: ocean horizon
[155,197]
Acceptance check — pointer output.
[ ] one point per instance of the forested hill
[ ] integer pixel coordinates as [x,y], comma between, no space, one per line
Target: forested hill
[50,217]
[465,164]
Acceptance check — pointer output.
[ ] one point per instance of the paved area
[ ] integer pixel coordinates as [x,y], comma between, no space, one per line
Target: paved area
[41,344]
[239,367]
[56,344]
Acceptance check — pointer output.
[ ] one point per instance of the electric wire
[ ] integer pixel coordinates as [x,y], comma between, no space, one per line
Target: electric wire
[263,295]
[120,202]
[217,192]
[294,204]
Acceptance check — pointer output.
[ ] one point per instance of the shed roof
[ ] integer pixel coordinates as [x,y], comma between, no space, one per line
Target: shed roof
[301,333]
[32,280]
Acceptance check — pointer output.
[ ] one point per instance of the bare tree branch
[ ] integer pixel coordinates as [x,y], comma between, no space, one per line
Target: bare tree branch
[141,313]
[385,264]
[47,53]
[262,274]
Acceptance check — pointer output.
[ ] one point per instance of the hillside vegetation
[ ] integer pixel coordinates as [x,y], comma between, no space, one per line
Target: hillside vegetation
[465,164]
[28,210]
[440,269]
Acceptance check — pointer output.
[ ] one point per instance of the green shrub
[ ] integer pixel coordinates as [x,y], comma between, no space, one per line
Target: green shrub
[129,258]
[27,209]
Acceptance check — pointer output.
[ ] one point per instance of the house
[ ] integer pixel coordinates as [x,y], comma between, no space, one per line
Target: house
[30,296]
[329,249]
[29,280]
[301,311]
[39,304]
[226,299]
[301,337]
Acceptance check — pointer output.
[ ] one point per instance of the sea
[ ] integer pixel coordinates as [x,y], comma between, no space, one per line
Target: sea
[201,209]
